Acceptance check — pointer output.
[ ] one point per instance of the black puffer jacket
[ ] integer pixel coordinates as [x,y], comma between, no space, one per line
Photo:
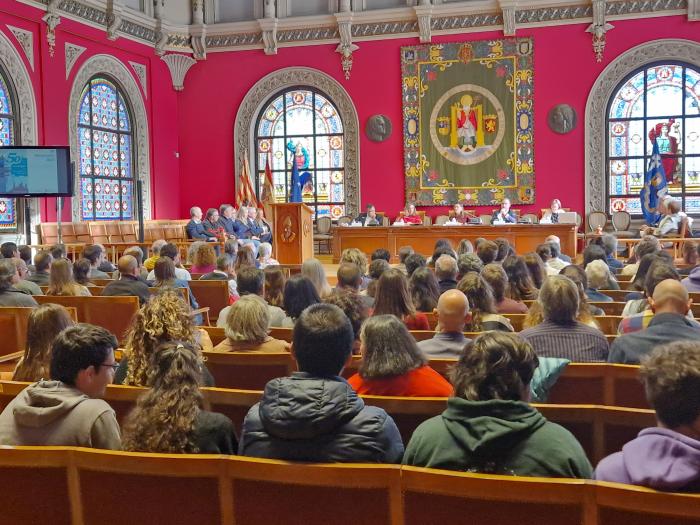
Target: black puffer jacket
[307,418]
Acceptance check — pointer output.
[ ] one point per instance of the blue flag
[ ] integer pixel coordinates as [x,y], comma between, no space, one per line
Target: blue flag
[654,187]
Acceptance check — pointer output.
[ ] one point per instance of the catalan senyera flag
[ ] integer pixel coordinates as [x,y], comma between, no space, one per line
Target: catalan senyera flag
[245,196]
[267,197]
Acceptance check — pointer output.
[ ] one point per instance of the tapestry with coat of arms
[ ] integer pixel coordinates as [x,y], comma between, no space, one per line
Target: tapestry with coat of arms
[468,122]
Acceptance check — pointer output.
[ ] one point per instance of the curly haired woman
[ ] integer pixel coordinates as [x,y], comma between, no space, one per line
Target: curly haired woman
[164,318]
[174,380]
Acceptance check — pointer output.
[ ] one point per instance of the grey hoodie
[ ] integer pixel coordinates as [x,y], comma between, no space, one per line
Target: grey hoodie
[307,418]
[53,413]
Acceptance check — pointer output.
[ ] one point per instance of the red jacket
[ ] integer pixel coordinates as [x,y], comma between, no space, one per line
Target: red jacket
[419,382]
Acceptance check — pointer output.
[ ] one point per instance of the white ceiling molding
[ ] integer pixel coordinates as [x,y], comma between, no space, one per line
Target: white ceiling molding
[141,72]
[178,65]
[72,52]
[26,42]
[378,24]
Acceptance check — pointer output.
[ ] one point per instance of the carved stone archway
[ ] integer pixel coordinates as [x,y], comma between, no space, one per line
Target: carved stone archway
[111,67]
[597,104]
[260,93]
[25,110]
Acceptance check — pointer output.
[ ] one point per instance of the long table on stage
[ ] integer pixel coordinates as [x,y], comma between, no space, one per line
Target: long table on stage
[524,237]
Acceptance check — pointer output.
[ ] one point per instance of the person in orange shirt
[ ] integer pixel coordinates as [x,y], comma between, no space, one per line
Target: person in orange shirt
[393,365]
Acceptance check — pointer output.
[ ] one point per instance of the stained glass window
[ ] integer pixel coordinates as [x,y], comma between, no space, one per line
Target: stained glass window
[8,137]
[660,102]
[302,125]
[106,153]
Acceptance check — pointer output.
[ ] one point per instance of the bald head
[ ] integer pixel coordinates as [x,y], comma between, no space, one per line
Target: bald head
[670,296]
[452,310]
[128,265]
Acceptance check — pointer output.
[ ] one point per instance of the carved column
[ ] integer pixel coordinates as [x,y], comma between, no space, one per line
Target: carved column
[198,30]
[424,14]
[161,31]
[508,8]
[599,28]
[694,10]
[346,48]
[52,20]
[114,18]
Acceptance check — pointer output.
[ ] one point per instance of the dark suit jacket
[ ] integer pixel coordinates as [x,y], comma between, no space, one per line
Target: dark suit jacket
[242,229]
[227,225]
[196,230]
[128,285]
[362,217]
[211,229]
[510,217]
[663,328]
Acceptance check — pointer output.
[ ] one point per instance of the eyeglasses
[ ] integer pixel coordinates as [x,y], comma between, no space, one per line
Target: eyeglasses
[113,367]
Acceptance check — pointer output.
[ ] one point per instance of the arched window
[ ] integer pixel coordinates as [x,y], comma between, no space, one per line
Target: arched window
[9,135]
[661,102]
[106,153]
[303,125]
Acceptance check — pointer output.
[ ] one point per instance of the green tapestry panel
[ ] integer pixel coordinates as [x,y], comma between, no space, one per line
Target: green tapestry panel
[468,122]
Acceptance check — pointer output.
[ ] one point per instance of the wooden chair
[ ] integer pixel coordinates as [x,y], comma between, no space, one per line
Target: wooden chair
[248,370]
[322,234]
[621,221]
[13,327]
[440,220]
[608,323]
[81,232]
[599,384]
[597,219]
[211,294]
[345,219]
[531,217]
[441,496]
[111,313]
[98,232]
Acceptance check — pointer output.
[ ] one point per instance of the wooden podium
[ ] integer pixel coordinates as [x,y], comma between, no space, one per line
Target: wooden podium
[293,231]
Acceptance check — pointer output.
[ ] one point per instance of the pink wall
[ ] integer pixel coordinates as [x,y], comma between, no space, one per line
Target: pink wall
[52,92]
[565,70]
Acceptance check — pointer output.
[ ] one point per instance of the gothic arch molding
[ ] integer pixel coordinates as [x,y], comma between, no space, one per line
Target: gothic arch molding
[118,72]
[252,104]
[596,106]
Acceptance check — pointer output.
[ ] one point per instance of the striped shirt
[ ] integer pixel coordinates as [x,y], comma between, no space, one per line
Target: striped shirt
[576,342]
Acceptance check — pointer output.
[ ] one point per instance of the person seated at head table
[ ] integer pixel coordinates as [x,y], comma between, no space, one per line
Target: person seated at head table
[460,215]
[369,218]
[670,223]
[551,216]
[504,214]
[410,215]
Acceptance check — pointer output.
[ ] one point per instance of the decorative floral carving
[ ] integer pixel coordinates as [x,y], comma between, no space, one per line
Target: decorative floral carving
[253,102]
[110,66]
[26,41]
[140,71]
[72,53]
[599,28]
[596,106]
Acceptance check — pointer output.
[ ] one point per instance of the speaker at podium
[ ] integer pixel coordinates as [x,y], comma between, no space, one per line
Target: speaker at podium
[293,232]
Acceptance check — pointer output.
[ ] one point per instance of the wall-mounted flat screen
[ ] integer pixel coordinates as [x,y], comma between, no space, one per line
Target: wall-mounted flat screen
[35,171]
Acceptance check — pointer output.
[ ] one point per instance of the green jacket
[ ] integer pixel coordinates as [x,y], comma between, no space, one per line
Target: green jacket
[496,437]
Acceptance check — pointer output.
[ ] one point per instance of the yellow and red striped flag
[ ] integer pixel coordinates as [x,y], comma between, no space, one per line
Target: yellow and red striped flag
[245,195]
[267,196]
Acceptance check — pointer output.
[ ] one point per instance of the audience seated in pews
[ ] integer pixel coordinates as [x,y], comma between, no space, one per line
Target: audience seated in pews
[265,256]
[446,272]
[44,324]
[299,294]
[504,249]
[67,410]
[42,264]
[442,247]
[171,251]
[586,311]
[9,250]
[413,262]
[521,286]
[203,259]
[25,253]
[392,364]
[488,426]
[424,289]
[137,253]
[245,258]
[483,305]
[392,298]
[274,286]
[251,281]
[9,295]
[448,341]
[609,244]
[544,250]
[535,267]
[349,278]
[357,257]
[174,384]
[495,275]
[598,275]
[164,318]
[96,255]
[686,265]
[464,246]
[648,244]
[554,240]
[404,252]
[247,329]
[81,270]
[356,311]
[380,253]
[560,334]
[313,269]
[129,282]
[58,251]
[166,279]
[692,282]
[224,272]
[593,252]
[468,262]
[376,268]
[670,304]
[487,251]
[665,457]
[150,263]
[23,285]
[314,415]
[62,282]
[638,284]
